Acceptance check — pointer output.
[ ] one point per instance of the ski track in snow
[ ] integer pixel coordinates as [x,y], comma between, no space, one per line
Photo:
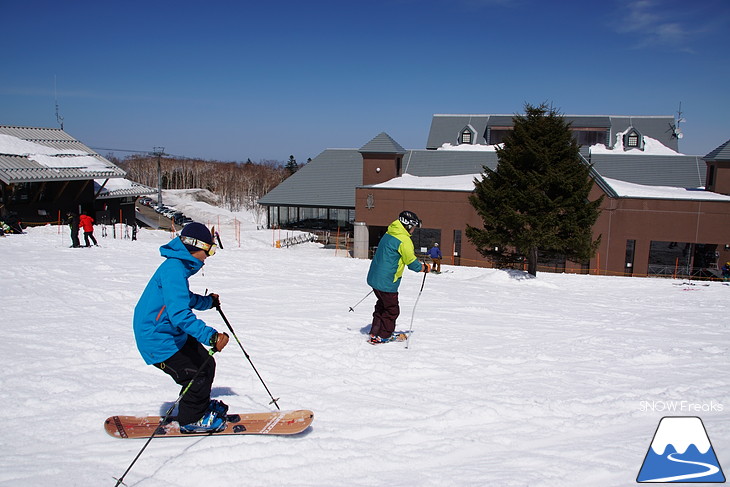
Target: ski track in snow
[508,381]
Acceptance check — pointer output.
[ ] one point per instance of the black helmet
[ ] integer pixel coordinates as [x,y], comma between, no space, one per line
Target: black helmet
[409,219]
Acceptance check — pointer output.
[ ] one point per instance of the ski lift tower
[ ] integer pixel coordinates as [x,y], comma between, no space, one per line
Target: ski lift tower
[159,152]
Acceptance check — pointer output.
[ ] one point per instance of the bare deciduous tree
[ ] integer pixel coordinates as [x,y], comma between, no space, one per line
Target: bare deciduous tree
[240,185]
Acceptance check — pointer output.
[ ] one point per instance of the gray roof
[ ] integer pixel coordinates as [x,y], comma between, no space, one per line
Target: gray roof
[722,153]
[330,179]
[20,168]
[652,170]
[447,163]
[327,181]
[383,144]
[129,188]
[447,128]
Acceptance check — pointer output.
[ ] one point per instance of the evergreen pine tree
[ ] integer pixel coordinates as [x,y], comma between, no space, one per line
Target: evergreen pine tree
[537,197]
[292,165]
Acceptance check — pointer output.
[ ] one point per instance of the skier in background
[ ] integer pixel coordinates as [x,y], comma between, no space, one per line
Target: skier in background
[435,254]
[170,336]
[72,218]
[395,252]
[87,223]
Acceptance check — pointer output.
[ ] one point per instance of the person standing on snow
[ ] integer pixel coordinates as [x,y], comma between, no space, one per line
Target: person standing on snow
[435,254]
[395,252]
[87,223]
[72,218]
[170,336]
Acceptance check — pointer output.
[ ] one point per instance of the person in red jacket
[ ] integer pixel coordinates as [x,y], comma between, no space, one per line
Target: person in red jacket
[87,223]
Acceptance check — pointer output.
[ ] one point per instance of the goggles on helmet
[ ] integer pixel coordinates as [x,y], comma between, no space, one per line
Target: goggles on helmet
[199,244]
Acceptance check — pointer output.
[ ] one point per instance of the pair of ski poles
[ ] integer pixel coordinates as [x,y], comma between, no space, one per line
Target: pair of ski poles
[120,480]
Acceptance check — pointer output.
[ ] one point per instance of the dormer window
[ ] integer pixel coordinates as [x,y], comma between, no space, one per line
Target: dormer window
[633,140]
[467,135]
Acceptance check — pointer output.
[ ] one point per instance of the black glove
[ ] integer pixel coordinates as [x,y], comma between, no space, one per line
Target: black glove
[216,300]
[218,341]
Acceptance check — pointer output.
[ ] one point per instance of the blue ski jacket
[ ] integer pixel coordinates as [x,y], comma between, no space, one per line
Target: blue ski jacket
[435,252]
[163,317]
[395,252]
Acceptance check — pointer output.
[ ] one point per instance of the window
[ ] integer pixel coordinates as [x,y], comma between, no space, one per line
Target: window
[710,177]
[633,140]
[497,134]
[590,136]
[629,260]
[465,137]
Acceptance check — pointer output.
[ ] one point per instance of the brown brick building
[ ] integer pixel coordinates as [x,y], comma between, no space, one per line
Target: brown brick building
[656,219]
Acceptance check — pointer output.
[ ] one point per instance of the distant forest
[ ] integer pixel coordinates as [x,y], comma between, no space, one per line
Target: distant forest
[239,184]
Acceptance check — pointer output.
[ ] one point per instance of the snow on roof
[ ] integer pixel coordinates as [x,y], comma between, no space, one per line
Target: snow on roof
[465,182]
[651,147]
[469,147]
[631,190]
[459,182]
[49,156]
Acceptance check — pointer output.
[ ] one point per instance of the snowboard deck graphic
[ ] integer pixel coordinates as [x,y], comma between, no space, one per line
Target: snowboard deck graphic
[273,423]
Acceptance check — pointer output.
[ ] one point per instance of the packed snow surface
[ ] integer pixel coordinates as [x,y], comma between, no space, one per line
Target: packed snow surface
[508,381]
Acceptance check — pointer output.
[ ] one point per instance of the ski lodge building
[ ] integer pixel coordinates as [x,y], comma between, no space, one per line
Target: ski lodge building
[664,213]
[45,172]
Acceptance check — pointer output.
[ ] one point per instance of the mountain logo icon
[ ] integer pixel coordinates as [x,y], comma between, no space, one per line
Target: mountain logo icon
[680,452]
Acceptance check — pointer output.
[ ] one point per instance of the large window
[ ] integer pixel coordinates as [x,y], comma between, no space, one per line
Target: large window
[682,259]
[590,136]
[424,238]
[496,134]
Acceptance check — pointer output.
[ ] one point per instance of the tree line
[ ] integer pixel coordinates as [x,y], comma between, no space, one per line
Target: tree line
[239,184]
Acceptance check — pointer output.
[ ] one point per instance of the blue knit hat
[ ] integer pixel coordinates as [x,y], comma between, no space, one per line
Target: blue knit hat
[197,231]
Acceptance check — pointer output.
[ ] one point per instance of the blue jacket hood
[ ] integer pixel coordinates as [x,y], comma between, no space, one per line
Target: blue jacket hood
[175,249]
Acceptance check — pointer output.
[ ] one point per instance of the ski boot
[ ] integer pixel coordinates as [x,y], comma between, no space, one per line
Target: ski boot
[209,423]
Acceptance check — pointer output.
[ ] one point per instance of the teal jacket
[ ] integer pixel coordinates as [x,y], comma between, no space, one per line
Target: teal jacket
[395,252]
[163,317]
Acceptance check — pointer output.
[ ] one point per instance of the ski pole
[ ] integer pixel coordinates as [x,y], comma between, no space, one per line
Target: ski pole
[352,308]
[228,324]
[410,328]
[167,415]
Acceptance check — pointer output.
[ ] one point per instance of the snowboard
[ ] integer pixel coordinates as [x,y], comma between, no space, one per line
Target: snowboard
[274,423]
[398,336]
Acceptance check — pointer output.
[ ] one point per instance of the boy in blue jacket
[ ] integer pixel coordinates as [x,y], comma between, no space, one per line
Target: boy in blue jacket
[395,252]
[169,335]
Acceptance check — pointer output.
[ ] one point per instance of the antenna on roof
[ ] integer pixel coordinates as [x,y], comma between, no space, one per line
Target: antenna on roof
[676,131]
[59,118]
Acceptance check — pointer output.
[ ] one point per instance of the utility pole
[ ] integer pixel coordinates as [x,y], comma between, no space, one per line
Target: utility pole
[159,152]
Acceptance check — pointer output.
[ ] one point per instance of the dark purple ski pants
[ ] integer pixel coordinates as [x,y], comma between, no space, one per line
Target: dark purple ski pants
[386,312]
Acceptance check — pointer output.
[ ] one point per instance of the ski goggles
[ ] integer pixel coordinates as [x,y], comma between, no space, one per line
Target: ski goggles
[199,244]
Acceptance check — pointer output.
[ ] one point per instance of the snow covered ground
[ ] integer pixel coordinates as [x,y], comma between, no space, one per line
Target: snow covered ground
[509,381]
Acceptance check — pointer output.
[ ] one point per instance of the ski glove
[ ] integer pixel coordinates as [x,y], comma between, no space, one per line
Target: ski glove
[218,341]
[426,268]
[216,300]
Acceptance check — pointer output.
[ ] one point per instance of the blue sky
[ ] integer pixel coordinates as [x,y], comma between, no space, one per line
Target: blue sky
[232,80]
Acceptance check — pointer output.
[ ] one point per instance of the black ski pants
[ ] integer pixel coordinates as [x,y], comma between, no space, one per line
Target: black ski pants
[386,312]
[182,367]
